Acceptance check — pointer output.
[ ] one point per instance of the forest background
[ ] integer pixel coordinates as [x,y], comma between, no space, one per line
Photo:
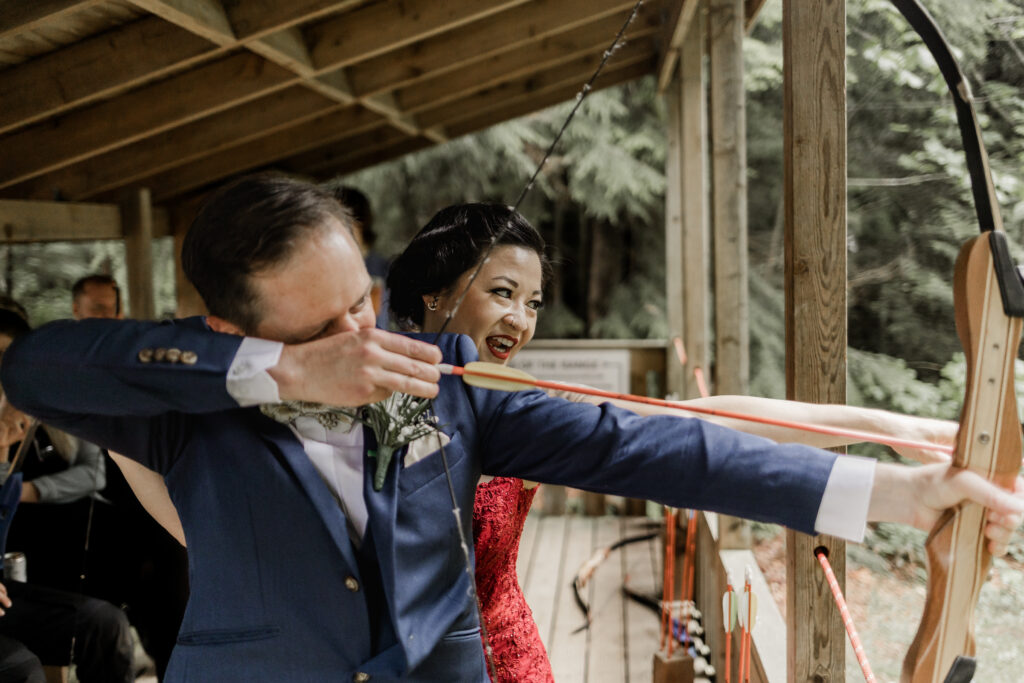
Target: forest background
[600,205]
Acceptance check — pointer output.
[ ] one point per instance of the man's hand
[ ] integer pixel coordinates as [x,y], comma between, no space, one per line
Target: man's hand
[13,425]
[356,368]
[919,495]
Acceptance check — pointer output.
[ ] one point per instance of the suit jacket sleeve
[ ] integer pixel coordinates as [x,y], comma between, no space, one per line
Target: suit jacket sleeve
[89,378]
[682,462]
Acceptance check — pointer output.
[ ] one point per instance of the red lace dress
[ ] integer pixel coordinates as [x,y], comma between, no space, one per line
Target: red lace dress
[499,514]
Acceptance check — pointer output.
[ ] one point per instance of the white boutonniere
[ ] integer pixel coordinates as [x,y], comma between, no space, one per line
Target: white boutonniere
[396,421]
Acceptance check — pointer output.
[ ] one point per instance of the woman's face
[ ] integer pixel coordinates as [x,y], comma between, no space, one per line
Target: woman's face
[500,310]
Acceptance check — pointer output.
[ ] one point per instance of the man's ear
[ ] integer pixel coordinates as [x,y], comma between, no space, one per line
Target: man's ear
[221,325]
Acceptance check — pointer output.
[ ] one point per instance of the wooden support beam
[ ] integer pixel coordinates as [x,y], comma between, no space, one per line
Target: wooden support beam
[255,18]
[325,159]
[523,61]
[23,221]
[681,16]
[205,18]
[188,300]
[687,236]
[446,53]
[574,73]
[137,220]
[146,111]
[814,126]
[729,217]
[527,104]
[385,26]
[20,16]
[183,145]
[260,153]
[361,160]
[146,50]
[676,375]
[752,8]
[729,196]
[477,120]
[95,68]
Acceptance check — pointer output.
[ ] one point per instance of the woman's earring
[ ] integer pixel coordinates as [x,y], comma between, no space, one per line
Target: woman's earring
[432,306]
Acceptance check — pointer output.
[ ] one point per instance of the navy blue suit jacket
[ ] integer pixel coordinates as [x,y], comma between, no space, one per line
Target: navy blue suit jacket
[271,563]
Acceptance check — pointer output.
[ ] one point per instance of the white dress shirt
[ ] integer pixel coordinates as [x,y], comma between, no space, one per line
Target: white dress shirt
[338,454]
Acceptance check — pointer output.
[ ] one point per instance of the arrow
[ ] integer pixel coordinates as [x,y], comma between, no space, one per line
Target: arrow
[503,378]
[729,609]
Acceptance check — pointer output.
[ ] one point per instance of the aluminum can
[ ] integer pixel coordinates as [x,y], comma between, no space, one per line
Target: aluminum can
[15,567]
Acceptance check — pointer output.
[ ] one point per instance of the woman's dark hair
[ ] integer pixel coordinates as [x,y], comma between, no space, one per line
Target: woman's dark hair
[246,227]
[452,243]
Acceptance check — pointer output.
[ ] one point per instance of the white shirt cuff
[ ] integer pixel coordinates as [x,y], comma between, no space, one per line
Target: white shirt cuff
[844,506]
[248,381]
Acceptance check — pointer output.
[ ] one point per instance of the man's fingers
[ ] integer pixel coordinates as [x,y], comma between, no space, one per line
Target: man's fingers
[411,348]
[394,381]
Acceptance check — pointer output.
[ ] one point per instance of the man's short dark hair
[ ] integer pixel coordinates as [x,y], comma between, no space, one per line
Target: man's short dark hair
[247,227]
[99,279]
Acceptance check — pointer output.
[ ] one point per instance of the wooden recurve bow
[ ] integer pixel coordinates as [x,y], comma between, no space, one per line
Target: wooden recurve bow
[989,305]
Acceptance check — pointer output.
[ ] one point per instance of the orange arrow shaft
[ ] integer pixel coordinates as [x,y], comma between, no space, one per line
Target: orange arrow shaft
[855,434]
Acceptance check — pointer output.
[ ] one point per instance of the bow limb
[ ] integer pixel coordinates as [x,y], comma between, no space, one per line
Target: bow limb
[989,443]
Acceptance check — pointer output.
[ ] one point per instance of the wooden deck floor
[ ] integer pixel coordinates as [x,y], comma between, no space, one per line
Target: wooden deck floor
[620,644]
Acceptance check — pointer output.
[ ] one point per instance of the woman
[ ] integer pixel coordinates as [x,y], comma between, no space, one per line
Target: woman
[428,284]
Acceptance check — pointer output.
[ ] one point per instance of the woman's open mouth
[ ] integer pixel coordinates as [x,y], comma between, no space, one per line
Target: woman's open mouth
[501,346]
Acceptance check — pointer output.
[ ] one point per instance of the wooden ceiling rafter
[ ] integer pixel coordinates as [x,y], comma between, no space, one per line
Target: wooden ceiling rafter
[263,152]
[20,16]
[229,86]
[331,161]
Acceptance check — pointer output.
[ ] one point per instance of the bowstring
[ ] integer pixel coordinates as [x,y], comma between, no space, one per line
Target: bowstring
[587,88]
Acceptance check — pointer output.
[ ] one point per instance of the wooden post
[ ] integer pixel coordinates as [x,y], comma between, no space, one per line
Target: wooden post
[729,216]
[697,283]
[814,122]
[189,301]
[686,225]
[137,219]
[675,374]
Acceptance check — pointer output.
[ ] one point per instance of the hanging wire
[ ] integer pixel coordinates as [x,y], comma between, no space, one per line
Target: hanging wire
[587,88]
[463,542]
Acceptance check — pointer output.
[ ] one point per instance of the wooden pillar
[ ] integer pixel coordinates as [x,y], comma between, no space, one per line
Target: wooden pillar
[729,216]
[814,122]
[137,222]
[686,215]
[188,300]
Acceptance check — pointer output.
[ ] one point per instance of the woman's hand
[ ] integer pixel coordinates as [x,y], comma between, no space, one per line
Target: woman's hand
[938,432]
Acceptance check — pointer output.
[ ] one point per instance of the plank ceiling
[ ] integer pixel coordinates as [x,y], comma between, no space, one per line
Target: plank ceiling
[97,96]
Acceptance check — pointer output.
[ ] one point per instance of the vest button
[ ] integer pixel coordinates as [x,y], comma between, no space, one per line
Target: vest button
[353,585]
[360,677]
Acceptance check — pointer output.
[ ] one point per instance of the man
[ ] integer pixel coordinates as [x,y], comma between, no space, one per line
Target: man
[96,296]
[301,570]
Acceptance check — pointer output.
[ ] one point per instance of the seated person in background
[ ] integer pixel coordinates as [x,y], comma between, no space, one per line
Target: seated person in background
[41,625]
[62,474]
[148,574]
